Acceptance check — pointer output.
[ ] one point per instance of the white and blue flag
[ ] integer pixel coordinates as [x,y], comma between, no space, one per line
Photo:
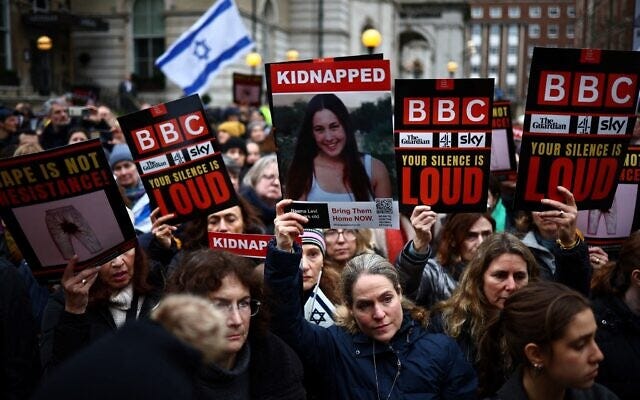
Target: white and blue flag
[217,39]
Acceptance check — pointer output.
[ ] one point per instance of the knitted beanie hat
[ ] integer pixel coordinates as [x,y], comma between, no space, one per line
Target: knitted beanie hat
[233,128]
[315,237]
[119,153]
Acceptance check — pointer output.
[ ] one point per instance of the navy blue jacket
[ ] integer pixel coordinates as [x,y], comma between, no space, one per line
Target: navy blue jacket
[431,365]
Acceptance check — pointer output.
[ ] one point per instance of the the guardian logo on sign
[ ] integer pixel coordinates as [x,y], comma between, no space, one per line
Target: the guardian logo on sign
[154,164]
[550,123]
[413,140]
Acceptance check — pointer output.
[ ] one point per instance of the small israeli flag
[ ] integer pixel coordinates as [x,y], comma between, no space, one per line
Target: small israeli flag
[319,309]
[217,39]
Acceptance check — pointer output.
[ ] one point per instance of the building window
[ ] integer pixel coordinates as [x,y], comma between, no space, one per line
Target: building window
[534,31]
[514,11]
[571,11]
[552,31]
[535,11]
[495,12]
[148,43]
[476,30]
[571,32]
[530,50]
[553,12]
[41,5]
[477,12]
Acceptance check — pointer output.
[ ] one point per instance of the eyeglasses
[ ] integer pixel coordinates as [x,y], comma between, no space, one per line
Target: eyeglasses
[334,234]
[244,307]
[269,177]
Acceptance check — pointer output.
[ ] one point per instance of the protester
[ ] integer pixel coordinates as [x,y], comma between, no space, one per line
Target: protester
[427,280]
[378,347]
[545,334]
[261,187]
[501,266]
[343,245]
[319,284]
[19,364]
[93,302]
[557,244]
[144,359]
[126,173]
[253,153]
[327,165]
[77,134]
[254,363]
[55,132]
[616,304]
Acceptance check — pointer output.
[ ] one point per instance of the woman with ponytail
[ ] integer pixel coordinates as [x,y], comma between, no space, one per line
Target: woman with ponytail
[616,303]
[544,340]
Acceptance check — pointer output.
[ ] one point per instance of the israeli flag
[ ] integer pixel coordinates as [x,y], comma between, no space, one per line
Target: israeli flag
[217,39]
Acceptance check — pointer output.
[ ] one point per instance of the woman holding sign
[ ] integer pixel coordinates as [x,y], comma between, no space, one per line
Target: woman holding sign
[339,172]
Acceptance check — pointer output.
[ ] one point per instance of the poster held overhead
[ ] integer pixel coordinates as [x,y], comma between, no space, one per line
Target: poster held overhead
[580,113]
[247,89]
[503,148]
[64,202]
[332,123]
[443,143]
[179,159]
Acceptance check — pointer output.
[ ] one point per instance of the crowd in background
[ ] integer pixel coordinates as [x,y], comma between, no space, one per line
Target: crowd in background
[502,304]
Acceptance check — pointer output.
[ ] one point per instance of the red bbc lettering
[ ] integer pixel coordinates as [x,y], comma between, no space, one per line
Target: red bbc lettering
[589,89]
[168,132]
[144,139]
[445,110]
[194,125]
[416,110]
[476,111]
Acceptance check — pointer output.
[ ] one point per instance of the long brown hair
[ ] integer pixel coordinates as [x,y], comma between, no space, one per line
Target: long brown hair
[453,234]
[301,170]
[615,277]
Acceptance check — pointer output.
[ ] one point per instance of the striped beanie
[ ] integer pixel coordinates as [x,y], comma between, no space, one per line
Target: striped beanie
[315,237]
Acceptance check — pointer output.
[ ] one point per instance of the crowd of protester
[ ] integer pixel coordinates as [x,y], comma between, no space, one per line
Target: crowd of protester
[503,304]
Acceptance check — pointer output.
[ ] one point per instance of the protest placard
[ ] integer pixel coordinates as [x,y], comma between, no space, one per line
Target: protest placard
[610,227]
[443,142]
[503,149]
[64,202]
[248,245]
[179,159]
[332,121]
[247,89]
[579,117]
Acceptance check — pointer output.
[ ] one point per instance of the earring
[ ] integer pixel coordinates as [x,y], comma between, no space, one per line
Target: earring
[537,369]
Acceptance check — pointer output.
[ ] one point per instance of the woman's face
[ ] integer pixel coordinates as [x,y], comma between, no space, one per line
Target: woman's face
[118,272]
[545,227]
[312,262]
[226,221]
[328,132]
[573,359]
[478,232]
[341,244]
[77,136]
[227,299]
[253,153]
[377,307]
[268,184]
[257,134]
[505,274]
[126,174]
[237,155]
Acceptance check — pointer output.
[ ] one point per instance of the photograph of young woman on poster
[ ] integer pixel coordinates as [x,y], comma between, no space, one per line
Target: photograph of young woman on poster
[339,171]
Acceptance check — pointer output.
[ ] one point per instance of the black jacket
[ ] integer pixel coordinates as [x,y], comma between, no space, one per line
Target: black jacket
[19,366]
[618,336]
[64,333]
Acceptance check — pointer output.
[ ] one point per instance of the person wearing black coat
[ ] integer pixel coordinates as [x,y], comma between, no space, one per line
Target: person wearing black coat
[19,366]
[616,304]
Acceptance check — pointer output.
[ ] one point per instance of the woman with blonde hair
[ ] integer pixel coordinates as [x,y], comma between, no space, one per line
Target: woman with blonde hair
[379,347]
[502,265]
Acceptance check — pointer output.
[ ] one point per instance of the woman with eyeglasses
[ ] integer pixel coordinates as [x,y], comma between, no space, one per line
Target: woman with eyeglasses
[94,302]
[426,279]
[379,347]
[344,244]
[255,364]
[261,187]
